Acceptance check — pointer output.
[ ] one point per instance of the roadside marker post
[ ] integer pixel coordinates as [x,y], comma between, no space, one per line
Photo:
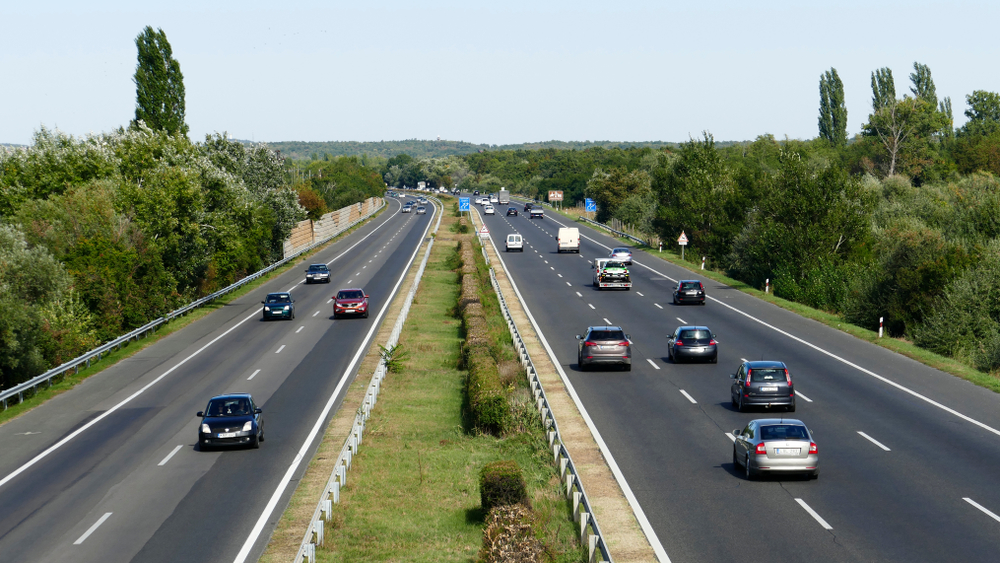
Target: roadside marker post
[880,319]
[702,262]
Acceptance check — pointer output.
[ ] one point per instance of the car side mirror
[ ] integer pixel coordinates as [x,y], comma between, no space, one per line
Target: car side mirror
[737,432]
[261,301]
[257,410]
[200,414]
[732,376]
[578,337]
[592,266]
[628,337]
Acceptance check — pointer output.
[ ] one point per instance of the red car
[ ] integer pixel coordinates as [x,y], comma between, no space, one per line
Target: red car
[350,302]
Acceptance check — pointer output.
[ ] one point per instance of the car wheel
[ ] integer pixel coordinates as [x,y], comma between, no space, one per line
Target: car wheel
[366,314]
[261,434]
[255,443]
[736,461]
[675,299]
[749,472]
[790,408]
[741,407]
[628,367]
[715,359]
[814,475]
[732,400]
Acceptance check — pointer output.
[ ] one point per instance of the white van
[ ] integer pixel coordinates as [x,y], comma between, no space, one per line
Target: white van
[514,242]
[569,239]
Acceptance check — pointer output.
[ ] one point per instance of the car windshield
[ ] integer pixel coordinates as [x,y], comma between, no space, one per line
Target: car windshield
[767,374]
[351,295]
[318,268]
[613,264]
[691,285]
[279,299]
[606,335]
[696,335]
[784,432]
[229,406]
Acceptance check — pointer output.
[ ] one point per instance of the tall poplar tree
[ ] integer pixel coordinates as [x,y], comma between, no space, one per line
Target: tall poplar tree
[883,89]
[923,84]
[832,110]
[159,84]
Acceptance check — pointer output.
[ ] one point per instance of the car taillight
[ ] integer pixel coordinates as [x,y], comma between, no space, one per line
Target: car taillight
[678,342]
[761,450]
[712,342]
[589,343]
[788,378]
[622,344]
[813,449]
[701,287]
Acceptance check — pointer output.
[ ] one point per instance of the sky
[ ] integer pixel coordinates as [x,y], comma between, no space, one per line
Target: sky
[496,73]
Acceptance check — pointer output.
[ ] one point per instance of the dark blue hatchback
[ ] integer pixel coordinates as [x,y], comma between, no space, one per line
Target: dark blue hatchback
[231,420]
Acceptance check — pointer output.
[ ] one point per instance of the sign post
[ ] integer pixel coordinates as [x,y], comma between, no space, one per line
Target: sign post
[463,204]
[555,195]
[682,241]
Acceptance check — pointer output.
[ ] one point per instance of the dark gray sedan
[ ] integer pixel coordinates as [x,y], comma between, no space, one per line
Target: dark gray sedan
[604,345]
[693,343]
[762,384]
[775,445]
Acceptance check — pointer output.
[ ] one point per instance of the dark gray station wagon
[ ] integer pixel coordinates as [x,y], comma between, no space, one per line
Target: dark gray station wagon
[762,384]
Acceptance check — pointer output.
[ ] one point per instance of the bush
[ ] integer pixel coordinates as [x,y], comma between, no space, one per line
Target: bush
[508,536]
[501,483]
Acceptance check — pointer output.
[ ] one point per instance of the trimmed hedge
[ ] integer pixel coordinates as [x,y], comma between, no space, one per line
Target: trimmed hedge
[501,483]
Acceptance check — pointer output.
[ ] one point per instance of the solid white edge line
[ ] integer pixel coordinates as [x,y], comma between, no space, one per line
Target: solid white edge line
[652,363]
[280,348]
[96,525]
[253,375]
[827,353]
[873,440]
[813,513]
[798,393]
[982,508]
[287,477]
[689,397]
[633,502]
[170,455]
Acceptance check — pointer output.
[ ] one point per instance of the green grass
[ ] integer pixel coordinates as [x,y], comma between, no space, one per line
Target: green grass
[413,493]
[62,384]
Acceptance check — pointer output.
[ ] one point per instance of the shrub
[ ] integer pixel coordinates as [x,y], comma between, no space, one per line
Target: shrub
[508,536]
[501,483]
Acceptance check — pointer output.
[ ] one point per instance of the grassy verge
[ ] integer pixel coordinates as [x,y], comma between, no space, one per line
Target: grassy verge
[412,493]
[989,381]
[70,380]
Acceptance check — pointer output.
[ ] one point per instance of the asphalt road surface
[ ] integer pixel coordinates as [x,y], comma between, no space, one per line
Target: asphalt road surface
[109,472]
[909,455]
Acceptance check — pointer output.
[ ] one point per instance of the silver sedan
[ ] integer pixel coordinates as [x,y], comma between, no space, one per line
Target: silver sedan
[622,254]
[775,445]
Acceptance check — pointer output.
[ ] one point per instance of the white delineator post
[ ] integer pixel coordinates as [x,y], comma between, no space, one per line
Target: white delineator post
[767,285]
[702,262]
[880,319]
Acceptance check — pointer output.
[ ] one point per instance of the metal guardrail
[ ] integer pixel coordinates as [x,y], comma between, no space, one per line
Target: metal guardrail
[338,478]
[617,232]
[21,389]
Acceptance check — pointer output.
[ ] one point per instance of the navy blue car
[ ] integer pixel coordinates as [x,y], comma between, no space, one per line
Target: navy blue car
[278,306]
[231,420]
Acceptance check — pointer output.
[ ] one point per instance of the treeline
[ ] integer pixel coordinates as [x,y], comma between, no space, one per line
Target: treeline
[300,150]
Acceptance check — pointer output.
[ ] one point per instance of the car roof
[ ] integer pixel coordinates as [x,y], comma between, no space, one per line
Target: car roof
[694,327]
[280,294]
[231,395]
[350,289]
[621,249]
[688,281]
[765,421]
[323,265]
[761,364]
[605,327]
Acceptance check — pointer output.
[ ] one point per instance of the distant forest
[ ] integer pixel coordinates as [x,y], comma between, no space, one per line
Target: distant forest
[300,150]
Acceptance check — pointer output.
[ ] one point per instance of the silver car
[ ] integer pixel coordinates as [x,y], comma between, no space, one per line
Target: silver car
[607,345]
[775,445]
[421,210]
[692,342]
[622,254]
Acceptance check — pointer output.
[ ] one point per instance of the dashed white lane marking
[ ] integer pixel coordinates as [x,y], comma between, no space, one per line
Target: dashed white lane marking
[578,294]
[363,267]
[348,283]
[571,285]
[652,363]
[316,313]
[328,301]
[639,294]
[689,397]
[873,440]
[658,305]
[982,508]
[254,374]
[369,261]
[551,268]
[591,306]
[682,320]
[606,321]
[300,329]
[546,261]
[799,393]
[812,513]
[170,455]
[731,437]
[357,273]
[280,349]
[560,275]
[96,525]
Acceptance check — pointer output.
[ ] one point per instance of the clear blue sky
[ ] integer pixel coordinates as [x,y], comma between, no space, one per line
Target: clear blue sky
[502,72]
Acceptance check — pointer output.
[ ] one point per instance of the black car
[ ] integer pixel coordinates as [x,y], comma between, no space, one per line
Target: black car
[689,291]
[762,384]
[231,420]
[527,207]
[475,192]
[693,342]
[278,306]
[318,273]
[512,211]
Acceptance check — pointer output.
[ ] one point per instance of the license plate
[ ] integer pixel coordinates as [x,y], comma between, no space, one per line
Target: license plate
[787,451]
[227,435]
[768,389]
[692,293]
[697,349]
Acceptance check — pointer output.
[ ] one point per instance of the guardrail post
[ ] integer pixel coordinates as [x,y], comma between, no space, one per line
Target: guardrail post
[336,491]
[310,553]
[584,520]
[318,532]
[576,505]
[569,485]
[592,548]
[326,509]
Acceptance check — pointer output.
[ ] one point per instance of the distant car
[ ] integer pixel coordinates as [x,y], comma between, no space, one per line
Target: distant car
[406,209]
[278,306]
[762,384]
[692,342]
[494,198]
[318,273]
[514,242]
[352,301]
[775,445]
[489,210]
[476,192]
[622,254]
[512,211]
[231,420]
[536,213]
[421,210]
[689,291]
[527,207]
[604,345]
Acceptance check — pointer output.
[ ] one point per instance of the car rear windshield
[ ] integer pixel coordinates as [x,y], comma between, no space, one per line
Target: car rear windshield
[351,295]
[620,251]
[278,299]
[767,374]
[696,335]
[228,407]
[318,268]
[606,335]
[691,285]
[783,432]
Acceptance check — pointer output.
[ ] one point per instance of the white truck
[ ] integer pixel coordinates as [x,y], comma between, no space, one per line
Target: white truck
[568,240]
[504,197]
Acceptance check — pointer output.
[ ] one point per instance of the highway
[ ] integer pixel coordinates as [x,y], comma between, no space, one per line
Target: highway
[109,471]
[909,454]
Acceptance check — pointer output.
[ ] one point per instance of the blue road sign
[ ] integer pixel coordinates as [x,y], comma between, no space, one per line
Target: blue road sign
[591,206]
[463,204]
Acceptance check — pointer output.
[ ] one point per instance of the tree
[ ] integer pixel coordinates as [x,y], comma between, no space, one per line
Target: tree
[983,113]
[923,84]
[159,84]
[945,109]
[832,110]
[883,88]
[899,126]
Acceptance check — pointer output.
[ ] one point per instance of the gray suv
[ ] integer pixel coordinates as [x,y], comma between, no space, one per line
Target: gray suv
[762,384]
[604,345]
